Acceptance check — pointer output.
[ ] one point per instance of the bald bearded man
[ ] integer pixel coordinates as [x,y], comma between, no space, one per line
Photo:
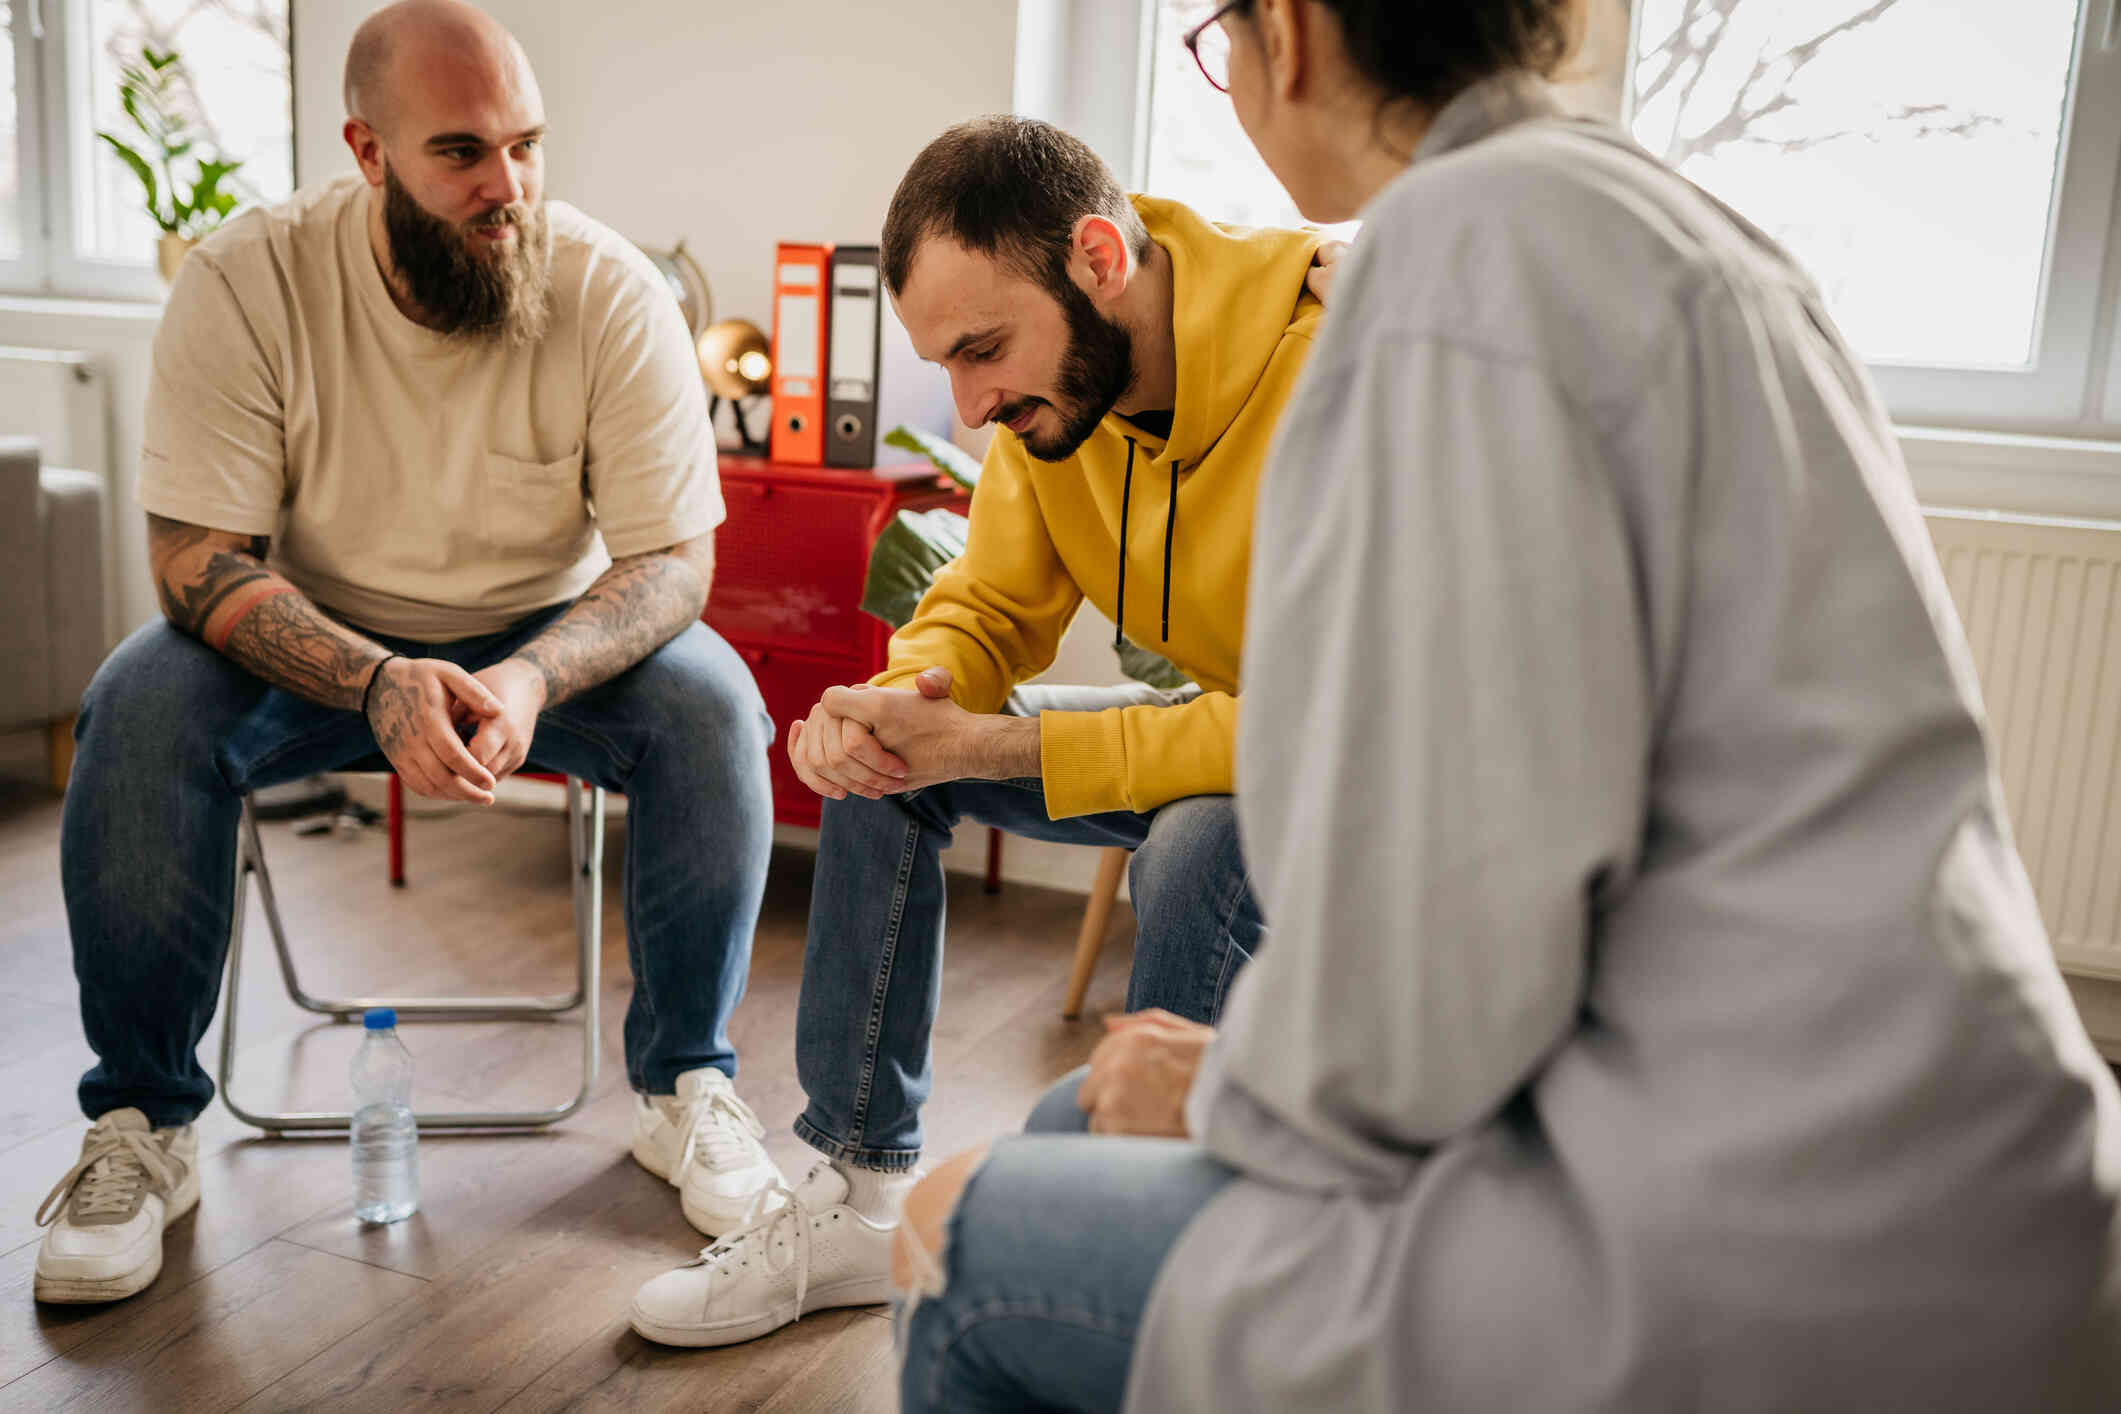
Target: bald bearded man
[428,474]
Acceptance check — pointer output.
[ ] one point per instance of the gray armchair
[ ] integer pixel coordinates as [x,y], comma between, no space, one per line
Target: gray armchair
[51,576]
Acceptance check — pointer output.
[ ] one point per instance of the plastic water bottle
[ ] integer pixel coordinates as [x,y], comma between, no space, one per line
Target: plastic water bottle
[386,1156]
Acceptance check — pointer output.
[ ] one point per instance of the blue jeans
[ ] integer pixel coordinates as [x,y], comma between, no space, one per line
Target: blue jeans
[172,736]
[873,964]
[1047,1267]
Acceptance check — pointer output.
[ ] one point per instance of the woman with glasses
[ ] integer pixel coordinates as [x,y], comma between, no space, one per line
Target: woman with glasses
[1657,1015]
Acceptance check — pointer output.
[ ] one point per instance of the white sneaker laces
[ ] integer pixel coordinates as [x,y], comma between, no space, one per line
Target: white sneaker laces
[759,1236]
[720,1128]
[115,1165]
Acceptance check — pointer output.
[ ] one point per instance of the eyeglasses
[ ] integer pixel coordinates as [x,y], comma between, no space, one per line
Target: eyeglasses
[1209,43]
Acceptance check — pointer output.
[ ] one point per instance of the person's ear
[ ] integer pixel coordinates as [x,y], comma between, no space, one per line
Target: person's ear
[1281,29]
[1100,262]
[367,147]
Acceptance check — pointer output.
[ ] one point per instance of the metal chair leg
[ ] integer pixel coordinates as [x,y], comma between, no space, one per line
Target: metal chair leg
[585,844]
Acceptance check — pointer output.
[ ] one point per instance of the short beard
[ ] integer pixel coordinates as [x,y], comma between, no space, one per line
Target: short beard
[1096,370]
[460,291]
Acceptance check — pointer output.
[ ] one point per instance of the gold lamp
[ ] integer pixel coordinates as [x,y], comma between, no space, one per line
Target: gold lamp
[736,360]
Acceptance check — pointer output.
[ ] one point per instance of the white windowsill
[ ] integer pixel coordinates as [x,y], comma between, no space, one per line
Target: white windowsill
[2075,478]
[78,307]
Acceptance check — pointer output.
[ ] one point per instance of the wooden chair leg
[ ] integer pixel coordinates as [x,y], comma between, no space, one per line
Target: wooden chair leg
[994,861]
[1111,864]
[60,737]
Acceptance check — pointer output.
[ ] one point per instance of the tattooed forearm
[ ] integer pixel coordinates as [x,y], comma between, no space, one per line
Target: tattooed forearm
[214,582]
[288,641]
[634,608]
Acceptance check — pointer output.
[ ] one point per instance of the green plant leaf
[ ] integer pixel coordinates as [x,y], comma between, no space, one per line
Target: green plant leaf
[148,92]
[954,461]
[1142,665]
[905,559]
[211,171]
[146,174]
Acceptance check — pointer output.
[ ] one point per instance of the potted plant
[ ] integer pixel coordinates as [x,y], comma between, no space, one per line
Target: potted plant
[186,206]
[917,544]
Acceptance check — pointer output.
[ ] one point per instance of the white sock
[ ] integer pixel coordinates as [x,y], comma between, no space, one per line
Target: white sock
[875,1194]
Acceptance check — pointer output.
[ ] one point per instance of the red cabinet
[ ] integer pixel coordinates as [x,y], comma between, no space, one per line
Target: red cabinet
[790,562]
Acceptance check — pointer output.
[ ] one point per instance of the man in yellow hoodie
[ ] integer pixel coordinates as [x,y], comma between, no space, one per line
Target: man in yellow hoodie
[1137,358]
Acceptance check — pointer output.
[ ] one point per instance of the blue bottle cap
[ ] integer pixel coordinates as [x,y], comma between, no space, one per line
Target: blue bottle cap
[381,1018]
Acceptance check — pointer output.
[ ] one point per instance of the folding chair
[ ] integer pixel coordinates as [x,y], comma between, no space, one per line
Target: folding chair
[585,839]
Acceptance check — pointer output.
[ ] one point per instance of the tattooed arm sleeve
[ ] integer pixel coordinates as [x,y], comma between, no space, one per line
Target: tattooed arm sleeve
[634,608]
[214,585]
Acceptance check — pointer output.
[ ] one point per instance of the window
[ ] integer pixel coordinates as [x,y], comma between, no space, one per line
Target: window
[1943,168]
[72,215]
[1195,151]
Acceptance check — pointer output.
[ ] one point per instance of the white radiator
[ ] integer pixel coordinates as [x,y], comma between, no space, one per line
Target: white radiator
[2041,601]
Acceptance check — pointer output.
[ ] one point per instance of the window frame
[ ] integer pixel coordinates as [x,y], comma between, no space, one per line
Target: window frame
[2058,391]
[56,145]
[69,148]
[26,31]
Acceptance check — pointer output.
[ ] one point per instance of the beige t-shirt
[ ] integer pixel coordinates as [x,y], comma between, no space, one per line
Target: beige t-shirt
[418,485]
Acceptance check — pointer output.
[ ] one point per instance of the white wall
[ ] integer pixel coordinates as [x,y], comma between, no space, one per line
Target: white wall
[733,125]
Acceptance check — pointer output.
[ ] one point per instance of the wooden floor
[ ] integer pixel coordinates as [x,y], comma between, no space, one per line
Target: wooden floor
[508,1291]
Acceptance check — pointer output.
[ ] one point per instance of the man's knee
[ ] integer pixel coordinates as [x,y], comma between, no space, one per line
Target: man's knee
[917,1248]
[1192,849]
[886,819]
[1060,1110]
[168,675]
[697,689]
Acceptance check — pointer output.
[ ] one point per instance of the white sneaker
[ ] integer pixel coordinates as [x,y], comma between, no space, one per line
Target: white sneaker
[705,1142]
[810,1252]
[107,1215]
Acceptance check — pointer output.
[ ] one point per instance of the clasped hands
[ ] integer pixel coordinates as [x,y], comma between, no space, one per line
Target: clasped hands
[421,710]
[879,741]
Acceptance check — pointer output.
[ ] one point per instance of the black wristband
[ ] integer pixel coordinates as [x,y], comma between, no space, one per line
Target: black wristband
[370,690]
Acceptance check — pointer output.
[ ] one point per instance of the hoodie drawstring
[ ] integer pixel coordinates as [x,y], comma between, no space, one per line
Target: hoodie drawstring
[1126,500]
[1170,530]
[1126,495]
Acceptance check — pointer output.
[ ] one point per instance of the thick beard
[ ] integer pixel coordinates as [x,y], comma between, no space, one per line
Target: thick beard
[461,291]
[1096,370]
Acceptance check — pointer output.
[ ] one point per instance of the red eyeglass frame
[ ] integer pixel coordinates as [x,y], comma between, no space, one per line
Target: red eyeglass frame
[1191,40]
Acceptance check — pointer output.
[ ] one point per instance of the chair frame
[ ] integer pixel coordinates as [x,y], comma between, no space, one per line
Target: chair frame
[585,840]
[1090,938]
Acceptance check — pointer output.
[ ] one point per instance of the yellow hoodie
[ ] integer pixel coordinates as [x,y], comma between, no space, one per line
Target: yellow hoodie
[1046,535]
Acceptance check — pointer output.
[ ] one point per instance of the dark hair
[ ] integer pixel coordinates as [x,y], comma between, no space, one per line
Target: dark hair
[1428,51]
[1008,187]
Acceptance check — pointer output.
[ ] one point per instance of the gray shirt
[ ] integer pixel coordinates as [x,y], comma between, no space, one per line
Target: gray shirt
[1657,1016]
